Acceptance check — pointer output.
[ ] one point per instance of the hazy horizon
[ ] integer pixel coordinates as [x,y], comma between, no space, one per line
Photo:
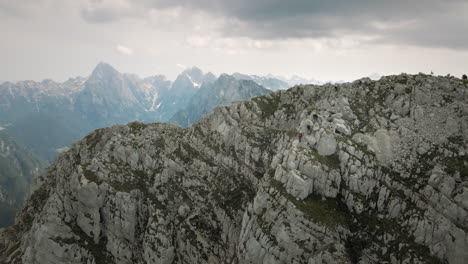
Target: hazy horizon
[217,74]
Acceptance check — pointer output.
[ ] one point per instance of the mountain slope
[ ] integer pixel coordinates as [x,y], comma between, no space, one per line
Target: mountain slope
[17,168]
[380,176]
[224,90]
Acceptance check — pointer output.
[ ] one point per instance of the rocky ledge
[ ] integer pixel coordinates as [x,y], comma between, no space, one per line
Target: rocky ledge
[379,176]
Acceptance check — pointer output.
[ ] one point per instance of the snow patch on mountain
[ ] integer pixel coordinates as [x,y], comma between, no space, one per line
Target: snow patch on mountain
[195,84]
[153,104]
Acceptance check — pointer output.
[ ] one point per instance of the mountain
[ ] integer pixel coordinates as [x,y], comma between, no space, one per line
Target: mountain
[268,82]
[18,166]
[276,83]
[297,80]
[150,92]
[181,91]
[224,90]
[110,97]
[380,175]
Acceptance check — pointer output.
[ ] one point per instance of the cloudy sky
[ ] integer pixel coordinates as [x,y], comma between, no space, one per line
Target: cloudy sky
[325,40]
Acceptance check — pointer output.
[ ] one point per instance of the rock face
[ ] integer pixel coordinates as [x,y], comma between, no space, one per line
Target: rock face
[379,176]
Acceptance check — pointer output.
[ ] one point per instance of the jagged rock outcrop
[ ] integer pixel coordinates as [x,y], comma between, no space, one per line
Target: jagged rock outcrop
[379,176]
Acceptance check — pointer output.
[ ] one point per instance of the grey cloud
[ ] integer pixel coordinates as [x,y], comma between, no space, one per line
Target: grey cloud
[99,15]
[435,31]
[20,9]
[45,36]
[430,22]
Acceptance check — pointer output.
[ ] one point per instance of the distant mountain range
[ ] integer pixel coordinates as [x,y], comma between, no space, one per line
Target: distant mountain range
[47,116]
[275,83]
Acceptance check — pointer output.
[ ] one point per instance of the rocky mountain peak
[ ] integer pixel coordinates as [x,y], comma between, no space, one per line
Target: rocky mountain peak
[241,76]
[104,70]
[209,77]
[108,97]
[380,174]
[225,78]
[194,72]
[184,83]
[196,76]
[105,79]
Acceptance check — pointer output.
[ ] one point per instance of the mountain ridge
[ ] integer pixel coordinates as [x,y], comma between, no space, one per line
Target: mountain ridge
[375,178]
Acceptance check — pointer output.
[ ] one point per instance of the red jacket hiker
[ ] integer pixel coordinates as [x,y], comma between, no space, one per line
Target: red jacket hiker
[299,135]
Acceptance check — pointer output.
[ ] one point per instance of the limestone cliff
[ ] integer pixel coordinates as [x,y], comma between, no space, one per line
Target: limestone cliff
[380,176]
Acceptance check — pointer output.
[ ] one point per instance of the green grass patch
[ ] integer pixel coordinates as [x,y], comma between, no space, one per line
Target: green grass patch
[266,105]
[458,163]
[457,140]
[91,175]
[325,212]
[136,126]
[289,109]
[331,161]
[292,133]
[34,205]
[99,250]
[448,98]
[94,138]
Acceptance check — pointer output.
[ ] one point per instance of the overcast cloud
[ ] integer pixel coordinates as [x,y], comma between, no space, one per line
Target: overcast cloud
[327,40]
[418,22]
